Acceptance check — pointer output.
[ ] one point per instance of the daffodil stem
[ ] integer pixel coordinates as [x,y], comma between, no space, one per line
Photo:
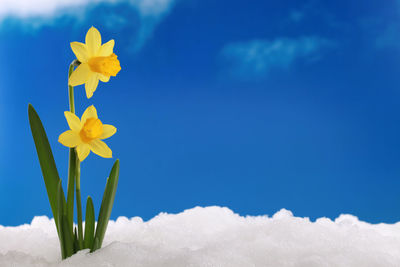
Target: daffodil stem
[78,202]
[74,167]
[74,64]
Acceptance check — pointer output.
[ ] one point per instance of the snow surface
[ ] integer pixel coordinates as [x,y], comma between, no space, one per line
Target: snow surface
[213,236]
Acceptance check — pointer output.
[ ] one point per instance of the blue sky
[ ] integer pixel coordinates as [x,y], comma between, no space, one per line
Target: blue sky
[257,106]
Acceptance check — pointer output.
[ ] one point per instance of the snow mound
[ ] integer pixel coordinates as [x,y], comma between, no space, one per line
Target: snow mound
[213,236]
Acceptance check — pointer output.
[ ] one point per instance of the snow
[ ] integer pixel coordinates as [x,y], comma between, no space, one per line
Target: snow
[213,236]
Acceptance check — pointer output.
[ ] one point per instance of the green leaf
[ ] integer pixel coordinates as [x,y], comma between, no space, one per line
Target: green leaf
[96,245]
[76,244]
[68,237]
[64,234]
[59,220]
[89,224]
[106,206]
[46,160]
[71,187]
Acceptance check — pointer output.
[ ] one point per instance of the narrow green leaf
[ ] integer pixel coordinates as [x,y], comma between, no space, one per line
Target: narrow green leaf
[76,244]
[68,237]
[59,220]
[96,245]
[64,233]
[46,160]
[89,224]
[71,188]
[106,206]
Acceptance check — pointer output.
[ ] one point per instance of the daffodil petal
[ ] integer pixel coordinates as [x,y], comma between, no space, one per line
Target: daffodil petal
[91,84]
[80,51]
[93,41]
[69,138]
[80,75]
[108,131]
[90,112]
[104,78]
[106,49]
[83,151]
[100,148]
[73,121]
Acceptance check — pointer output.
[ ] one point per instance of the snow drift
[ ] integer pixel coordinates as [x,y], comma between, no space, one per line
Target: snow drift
[213,236]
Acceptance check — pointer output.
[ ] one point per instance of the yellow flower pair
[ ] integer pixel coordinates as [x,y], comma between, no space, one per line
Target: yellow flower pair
[97,62]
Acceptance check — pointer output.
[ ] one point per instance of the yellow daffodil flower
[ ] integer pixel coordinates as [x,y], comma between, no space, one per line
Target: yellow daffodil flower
[86,134]
[98,62]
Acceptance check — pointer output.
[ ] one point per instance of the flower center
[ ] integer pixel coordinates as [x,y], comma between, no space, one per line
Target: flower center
[92,129]
[108,66]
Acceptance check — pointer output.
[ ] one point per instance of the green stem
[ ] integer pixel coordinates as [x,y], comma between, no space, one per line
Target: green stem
[78,202]
[74,64]
[74,163]
[71,189]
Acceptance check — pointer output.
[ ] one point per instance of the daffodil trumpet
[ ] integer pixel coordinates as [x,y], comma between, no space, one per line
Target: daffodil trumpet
[85,135]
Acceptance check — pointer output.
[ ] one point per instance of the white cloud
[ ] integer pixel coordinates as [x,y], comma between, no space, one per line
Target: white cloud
[258,57]
[152,7]
[151,13]
[36,13]
[48,8]
[38,8]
